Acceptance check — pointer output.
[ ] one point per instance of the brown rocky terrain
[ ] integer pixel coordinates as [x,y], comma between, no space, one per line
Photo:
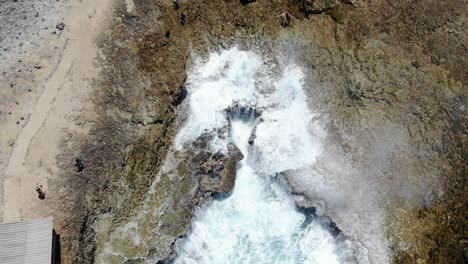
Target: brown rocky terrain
[390,80]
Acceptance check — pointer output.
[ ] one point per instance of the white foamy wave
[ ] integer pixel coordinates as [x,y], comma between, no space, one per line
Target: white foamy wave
[214,86]
[258,222]
[288,138]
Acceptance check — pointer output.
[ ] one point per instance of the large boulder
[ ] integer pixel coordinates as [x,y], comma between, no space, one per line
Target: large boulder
[219,171]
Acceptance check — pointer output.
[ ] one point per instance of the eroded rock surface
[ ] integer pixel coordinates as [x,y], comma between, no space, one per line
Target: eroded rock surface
[389,76]
[316,6]
[219,171]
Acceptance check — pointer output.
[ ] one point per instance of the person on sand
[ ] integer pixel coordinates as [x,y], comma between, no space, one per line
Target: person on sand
[287,19]
[183,18]
[176,4]
[40,192]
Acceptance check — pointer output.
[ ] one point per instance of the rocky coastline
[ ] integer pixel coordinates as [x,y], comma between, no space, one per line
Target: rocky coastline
[389,78]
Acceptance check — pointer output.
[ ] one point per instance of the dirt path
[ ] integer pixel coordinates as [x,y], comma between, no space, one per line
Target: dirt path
[61,110]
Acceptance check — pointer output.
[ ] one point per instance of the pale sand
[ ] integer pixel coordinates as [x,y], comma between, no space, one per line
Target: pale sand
[61,110]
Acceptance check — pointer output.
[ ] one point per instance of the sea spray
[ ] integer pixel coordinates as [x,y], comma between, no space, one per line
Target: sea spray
[258,222]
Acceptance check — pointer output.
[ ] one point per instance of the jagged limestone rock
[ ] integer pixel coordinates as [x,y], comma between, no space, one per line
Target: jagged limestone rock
[219,171]
[360,68]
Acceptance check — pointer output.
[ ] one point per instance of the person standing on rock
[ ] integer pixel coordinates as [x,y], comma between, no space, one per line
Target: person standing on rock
[40,192]
[287,19]
[183,18]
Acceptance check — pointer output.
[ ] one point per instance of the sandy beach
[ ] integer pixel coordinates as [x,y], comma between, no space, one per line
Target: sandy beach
[46,103]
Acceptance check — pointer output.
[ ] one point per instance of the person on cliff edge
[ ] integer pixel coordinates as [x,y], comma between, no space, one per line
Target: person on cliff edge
[183,18]
[287,19]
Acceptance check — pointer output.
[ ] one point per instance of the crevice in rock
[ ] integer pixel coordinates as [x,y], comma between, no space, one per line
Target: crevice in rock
[180,97]
[246,2]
